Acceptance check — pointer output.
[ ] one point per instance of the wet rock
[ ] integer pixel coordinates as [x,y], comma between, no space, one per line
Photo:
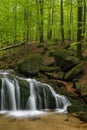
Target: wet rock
[24,92]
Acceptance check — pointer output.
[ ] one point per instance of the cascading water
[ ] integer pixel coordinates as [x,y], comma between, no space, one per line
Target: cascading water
[34,98]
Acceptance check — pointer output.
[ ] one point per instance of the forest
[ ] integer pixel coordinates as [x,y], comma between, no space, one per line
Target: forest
[41,20]
[43,64]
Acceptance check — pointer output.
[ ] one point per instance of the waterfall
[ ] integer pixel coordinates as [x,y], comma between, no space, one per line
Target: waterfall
[11,93]
[19,93]
[2,96]
[31,103]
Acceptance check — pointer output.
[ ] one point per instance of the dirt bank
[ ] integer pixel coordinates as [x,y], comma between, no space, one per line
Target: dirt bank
[48,122]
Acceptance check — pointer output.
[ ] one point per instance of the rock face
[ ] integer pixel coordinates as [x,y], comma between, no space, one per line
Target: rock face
[30,65]
[64,60]
[24,92]
[74,72]
[81,90]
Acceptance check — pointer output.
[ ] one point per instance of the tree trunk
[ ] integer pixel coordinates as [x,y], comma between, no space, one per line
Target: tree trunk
[41,2]
[79,30]
[62,21]
[84,20]
[71,20]
[15,22]
[37,23]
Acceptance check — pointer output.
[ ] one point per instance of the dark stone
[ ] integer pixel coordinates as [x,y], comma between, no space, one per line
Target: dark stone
[30,65]
[61,75]
[51,75]
[46,69]
[64,60]
[70,75]
[24,92]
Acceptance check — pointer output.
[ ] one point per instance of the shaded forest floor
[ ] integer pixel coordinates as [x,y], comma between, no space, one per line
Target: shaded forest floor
[10,57]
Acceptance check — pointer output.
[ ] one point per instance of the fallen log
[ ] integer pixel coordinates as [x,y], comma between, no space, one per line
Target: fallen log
[12,46]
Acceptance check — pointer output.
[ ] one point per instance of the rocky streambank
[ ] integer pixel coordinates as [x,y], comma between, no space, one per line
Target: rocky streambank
[57,66]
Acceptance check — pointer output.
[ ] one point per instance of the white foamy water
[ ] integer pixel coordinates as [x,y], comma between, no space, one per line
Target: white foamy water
[25,114]
[40,97]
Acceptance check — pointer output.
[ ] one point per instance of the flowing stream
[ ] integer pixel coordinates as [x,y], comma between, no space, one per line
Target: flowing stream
[28,100]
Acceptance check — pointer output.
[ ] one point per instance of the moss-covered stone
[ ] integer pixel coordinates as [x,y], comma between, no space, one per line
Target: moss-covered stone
[30,65]
[61,75]
[46,69]
[81,89]
[74,72]
[49,63]
[83,116]
[64,60]
[77,105]
[52,75]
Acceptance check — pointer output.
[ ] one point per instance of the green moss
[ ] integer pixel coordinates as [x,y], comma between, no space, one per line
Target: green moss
[74,72]
[64,60]
[46,69]
[30,65]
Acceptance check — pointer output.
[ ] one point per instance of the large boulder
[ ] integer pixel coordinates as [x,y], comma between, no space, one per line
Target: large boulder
[30,65]
[81,89]
[70,75]
[64,60]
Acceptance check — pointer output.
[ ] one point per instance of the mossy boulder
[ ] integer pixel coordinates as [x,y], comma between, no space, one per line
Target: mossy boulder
[64,60]
[82,116]
[61,75]
[77,105]
[52,75]
[70,75]
[81,89]
[46,69]
[30,65]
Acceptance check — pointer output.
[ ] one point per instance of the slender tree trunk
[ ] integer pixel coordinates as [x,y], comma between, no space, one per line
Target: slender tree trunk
[26,25]
[71,20]
[79,30]
[62,21]
[15,22]
[41,39]
[49,31]
[84,19]
[24,34]
[37,24]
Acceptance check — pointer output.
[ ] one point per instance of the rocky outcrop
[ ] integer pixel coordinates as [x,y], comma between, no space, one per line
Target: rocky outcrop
[64,60]
[24,92]
[74,72]
[81,89]
[30,65]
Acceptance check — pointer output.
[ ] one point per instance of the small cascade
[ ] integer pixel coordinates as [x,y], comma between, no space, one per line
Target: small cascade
[17,87]
[31,103]
[28,94]
[2,96]
[11,93]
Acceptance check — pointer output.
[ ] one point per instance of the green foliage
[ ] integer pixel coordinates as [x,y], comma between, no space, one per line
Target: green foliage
[20,19]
